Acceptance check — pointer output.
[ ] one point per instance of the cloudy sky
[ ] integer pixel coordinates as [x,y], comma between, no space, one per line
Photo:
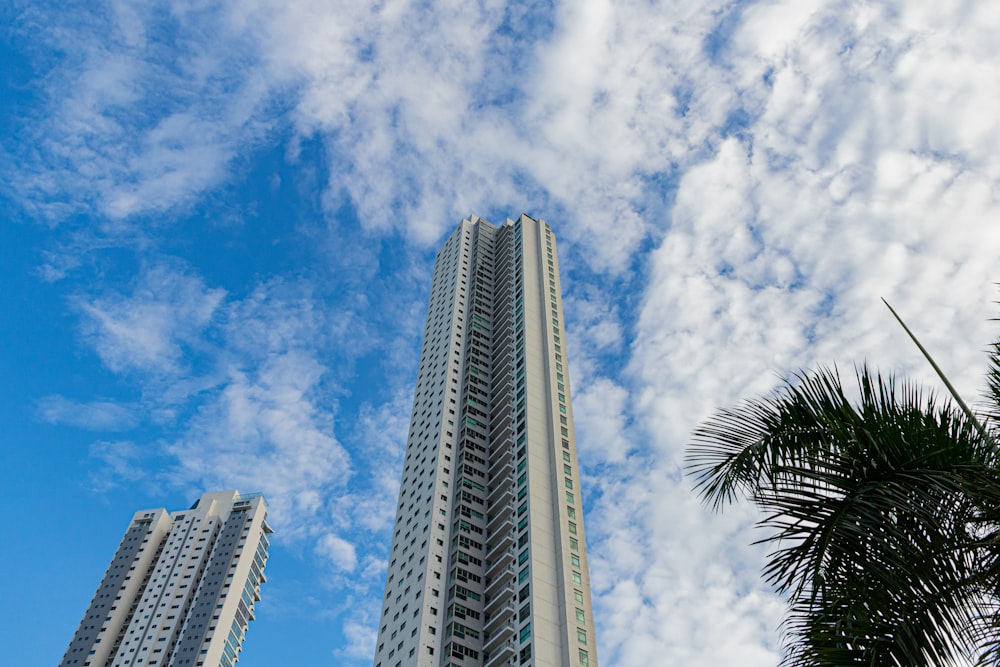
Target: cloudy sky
[218,230]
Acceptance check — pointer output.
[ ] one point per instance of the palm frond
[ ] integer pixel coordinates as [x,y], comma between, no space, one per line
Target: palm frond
[869,509]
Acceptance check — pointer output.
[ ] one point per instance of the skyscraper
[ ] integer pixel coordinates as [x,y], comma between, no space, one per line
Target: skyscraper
[488,565]
[180,589]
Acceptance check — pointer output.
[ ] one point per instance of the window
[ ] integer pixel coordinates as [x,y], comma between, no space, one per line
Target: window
[578,596]
[525,633]
[580,618]
[584,658]
[581,635]
[572,528]
[574,560]
[568,482]
[577,579]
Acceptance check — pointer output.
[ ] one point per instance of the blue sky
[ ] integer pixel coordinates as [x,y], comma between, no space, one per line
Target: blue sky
[218,229]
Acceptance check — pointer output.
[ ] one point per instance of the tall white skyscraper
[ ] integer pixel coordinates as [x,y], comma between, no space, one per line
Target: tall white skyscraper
[488,564]
[180,589]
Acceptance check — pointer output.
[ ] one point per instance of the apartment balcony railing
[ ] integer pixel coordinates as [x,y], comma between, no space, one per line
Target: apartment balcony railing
[503,493]
[504,384]
[500,543]
[500,582]
[499,611]
[499,427]
[503,455]
[502,513]
[499,560]
[498,638]
[502,473]
[502,530]
[501,411]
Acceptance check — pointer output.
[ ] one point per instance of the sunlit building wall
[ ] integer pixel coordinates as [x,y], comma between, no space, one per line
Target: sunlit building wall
[488,565]
[181,588]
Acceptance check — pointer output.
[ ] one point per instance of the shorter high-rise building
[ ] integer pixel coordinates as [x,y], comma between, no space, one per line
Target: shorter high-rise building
[180,589]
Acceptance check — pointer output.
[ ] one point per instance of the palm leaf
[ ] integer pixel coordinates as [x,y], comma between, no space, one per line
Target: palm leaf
[866,508]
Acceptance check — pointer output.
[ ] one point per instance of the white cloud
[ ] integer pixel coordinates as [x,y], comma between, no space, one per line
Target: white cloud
[137,123]
[781,243]
[148,329]
[339,552]
[599,415]
[672,580]
[360,634]
[120,461]
[263,432]
[92,415]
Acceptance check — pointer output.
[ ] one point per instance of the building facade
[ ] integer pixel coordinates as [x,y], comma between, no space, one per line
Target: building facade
[180,589]
[488,565]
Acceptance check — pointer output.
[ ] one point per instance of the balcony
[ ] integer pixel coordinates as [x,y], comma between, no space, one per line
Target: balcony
[499,561]
[501,413]
[502,494]
[503,328]
[501,580]
[504,541]
[502,473]
[503,656]
[503,456]
[499,513]
[499,527]
[499,612]
[502,377]
[504,424]
[503,635]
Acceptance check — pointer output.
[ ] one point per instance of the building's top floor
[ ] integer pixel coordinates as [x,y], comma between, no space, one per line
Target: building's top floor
[214,504]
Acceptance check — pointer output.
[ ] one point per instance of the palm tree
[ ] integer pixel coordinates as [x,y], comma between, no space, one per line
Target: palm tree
[882,514]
